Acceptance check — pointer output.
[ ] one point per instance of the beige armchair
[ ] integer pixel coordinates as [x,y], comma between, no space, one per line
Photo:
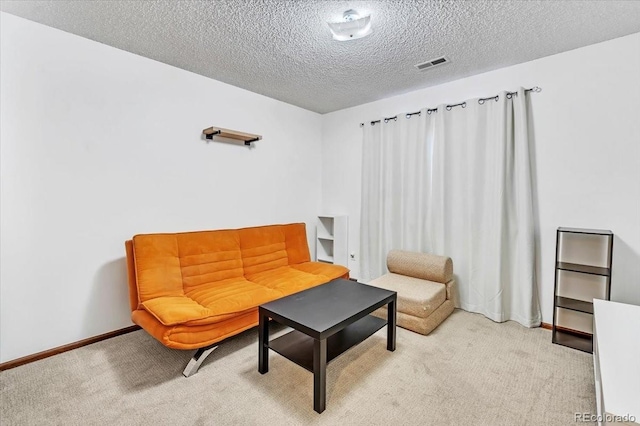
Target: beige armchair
[426,289]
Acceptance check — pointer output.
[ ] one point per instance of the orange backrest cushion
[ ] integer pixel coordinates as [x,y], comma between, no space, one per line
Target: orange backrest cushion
[263,248]
[269,247]
[295,236]
[157,266]
[209,257]
[172,264]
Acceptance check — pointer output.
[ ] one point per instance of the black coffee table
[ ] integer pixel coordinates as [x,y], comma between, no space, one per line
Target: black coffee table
[327,320]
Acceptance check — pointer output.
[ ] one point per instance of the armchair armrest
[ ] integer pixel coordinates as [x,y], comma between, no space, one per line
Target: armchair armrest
[452,293]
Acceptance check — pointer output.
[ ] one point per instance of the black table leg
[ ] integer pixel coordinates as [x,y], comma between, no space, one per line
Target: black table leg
[319,374]
[391,325]
[263,342]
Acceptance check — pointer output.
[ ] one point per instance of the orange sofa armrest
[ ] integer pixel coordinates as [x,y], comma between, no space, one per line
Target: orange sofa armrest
[170,310]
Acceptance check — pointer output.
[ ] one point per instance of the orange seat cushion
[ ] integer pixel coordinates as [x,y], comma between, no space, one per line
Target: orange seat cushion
[331,272]
[232,296]
[287,280]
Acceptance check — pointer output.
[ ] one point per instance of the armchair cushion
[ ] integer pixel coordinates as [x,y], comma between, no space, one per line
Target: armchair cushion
[416,297]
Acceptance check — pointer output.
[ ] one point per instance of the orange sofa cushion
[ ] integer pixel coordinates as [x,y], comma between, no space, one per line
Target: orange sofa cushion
[263,249]
[210,257]
[331,272]
[231,297]
[158,272]
[287,280]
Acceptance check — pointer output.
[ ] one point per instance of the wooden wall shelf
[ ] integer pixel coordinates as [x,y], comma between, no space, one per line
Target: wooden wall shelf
[247,138]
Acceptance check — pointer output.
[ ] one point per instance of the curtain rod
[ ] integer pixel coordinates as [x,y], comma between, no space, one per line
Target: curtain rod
[481,101]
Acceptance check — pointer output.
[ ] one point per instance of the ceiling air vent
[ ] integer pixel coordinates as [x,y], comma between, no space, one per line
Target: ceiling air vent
[432,63]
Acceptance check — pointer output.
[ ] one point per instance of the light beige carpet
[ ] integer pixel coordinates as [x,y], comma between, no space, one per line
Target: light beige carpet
[469,371]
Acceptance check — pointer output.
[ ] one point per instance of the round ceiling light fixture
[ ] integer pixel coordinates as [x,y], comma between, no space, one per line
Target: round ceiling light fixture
[351,27]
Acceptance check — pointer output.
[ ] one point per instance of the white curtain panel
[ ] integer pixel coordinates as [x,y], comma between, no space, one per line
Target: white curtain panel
[456,183]
[395,184]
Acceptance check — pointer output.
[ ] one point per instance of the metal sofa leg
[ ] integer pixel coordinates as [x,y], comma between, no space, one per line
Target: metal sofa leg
[197,360]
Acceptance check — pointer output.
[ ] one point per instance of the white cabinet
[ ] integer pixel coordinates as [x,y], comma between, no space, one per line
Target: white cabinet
[616,366]
[331,240]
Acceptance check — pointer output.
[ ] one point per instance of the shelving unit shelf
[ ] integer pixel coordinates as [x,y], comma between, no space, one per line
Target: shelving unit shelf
[574,304]
[584,269]
[573,340]
[582,273]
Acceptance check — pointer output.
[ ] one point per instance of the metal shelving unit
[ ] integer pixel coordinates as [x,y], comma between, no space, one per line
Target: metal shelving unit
[581,300]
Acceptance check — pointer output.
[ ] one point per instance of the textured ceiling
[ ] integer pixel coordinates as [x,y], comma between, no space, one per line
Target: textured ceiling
[283,49]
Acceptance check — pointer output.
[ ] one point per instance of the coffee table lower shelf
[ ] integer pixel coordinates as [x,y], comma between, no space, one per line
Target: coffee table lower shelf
[298,347]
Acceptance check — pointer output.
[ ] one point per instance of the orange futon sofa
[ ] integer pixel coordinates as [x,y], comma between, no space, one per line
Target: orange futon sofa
[192,290]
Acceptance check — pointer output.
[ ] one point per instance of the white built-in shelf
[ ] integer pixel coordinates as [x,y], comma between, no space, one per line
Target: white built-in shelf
[331,240]
[247,138]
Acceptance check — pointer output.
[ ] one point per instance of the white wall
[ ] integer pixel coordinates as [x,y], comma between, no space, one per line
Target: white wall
[587,151]
[97,145]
